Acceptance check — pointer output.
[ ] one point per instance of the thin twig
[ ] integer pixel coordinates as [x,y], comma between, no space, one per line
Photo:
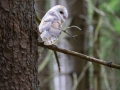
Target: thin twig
[57,60]
[72,27]
[45,62]
[85,57]
[73,37]
[85,68]
[41,11]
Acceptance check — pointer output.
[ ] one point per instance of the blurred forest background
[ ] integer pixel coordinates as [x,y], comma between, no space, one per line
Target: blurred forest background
[99,38]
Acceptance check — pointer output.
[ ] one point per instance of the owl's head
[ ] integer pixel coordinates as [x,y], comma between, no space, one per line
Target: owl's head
[61,12]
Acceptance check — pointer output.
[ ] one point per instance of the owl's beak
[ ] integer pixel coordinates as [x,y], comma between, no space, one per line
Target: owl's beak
[64,17]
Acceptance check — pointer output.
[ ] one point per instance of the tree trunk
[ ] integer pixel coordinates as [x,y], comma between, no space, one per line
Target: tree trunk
[96,47]
[78,13]
[18,45]
[72,65]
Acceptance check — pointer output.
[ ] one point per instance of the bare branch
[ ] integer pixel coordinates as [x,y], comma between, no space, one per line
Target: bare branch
[57,60]
[73,37]
[41,11]
[71,27]
[85,57]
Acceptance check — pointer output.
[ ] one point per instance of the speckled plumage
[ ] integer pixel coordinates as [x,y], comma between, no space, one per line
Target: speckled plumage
[51,24]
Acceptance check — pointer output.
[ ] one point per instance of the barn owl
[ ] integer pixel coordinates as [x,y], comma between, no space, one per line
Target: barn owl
[51,24]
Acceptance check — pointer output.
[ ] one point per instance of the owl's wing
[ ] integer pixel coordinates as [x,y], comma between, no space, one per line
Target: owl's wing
[50,30]
[55,28]
[45,24]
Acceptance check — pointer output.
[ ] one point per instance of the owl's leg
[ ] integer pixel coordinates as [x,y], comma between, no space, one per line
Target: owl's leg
[54,45]
[45,48]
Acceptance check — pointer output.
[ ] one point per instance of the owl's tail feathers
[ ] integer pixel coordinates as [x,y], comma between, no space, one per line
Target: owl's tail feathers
[48,39]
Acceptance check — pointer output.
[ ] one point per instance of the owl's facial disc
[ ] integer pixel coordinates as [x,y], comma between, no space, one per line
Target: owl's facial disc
[63,14]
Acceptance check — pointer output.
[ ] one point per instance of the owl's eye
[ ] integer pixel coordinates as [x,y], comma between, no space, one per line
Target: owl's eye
[61,12]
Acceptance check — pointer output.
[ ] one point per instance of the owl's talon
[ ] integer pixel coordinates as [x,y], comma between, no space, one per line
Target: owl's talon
[54,45]
[45,48]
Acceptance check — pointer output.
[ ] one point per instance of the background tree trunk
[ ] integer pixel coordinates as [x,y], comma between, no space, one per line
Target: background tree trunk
[96,48]
[70,65]
[78,13]
[18,45]
[40,7]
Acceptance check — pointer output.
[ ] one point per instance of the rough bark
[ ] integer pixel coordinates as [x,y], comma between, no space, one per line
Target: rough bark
[18,45]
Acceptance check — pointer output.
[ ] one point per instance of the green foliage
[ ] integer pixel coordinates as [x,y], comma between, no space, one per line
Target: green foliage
[111,8]
[109,33]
